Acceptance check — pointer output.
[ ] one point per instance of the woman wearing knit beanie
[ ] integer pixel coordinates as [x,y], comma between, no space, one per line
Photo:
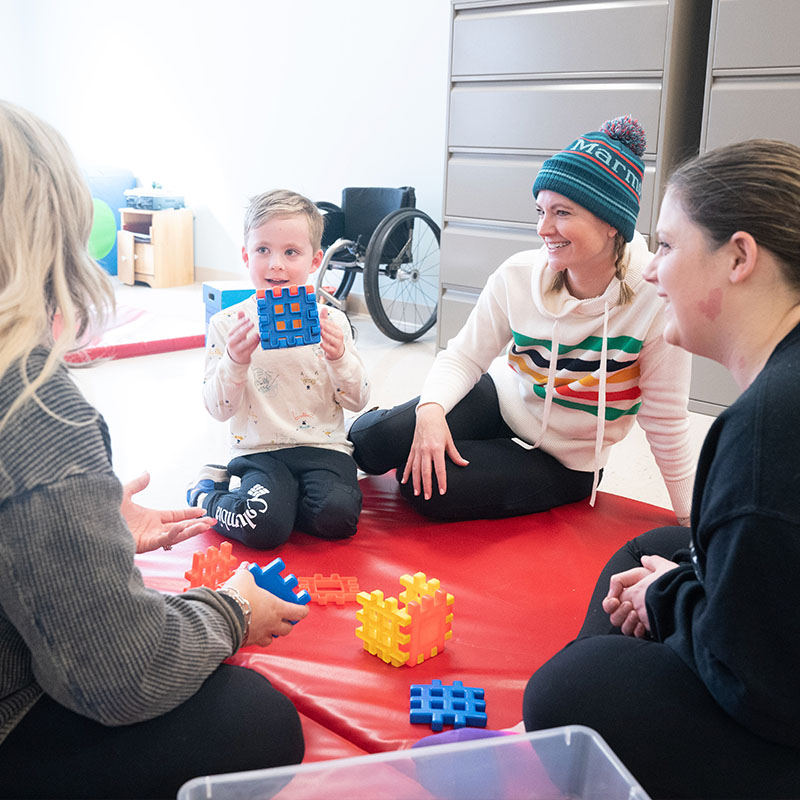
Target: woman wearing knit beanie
[562,352]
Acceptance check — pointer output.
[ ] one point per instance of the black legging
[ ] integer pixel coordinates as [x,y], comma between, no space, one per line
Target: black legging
[653,711]
[236,721]
[503,479]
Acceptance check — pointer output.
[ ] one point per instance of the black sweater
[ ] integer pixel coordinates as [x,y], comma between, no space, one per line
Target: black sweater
[732,612]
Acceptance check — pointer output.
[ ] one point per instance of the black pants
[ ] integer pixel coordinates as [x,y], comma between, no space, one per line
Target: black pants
[309,489]
[236,721]
[653,711]
[503,479]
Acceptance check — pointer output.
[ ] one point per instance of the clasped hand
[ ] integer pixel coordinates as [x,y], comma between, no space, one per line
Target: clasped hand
[151,528]
[625,601]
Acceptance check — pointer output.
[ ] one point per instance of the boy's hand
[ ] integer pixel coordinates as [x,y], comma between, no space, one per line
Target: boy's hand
[331,336]
[242,340]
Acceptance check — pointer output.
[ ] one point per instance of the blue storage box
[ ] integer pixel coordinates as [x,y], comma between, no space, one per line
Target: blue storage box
[224,294]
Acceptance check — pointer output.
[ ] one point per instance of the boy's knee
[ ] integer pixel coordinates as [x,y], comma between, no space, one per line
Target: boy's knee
[262,526]
[335,516]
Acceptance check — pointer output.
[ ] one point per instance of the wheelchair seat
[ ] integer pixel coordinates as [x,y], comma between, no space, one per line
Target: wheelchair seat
[362,210]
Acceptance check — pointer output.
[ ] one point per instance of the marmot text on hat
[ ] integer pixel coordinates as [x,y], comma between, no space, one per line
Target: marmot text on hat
[602,171]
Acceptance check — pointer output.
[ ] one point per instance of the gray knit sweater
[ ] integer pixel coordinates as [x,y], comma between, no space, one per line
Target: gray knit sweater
[76,621]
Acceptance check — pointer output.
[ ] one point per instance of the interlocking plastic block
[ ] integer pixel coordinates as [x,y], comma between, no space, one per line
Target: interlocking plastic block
[382,625]
[431,612]
[409,635]
[212,567]
[287,316]
[438,705]
[270,578]
[332,588]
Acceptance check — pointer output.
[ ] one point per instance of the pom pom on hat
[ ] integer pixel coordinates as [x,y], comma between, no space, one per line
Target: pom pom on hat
[628,131]
[602,171]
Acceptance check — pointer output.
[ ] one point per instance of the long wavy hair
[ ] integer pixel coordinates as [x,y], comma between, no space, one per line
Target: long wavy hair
[46,216]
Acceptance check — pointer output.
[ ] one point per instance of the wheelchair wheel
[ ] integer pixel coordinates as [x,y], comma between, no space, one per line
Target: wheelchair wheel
[337,273]
[401,274]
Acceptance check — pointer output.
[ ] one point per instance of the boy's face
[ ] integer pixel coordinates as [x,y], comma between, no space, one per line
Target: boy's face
[279,253]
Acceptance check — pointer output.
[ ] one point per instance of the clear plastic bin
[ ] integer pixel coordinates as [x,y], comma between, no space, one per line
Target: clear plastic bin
[569,763]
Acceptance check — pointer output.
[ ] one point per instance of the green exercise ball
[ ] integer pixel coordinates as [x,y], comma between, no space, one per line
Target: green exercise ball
[104,230]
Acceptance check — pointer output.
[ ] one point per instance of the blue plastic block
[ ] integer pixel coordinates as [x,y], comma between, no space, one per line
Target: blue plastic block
[287,317]
[454,705]
[270,578]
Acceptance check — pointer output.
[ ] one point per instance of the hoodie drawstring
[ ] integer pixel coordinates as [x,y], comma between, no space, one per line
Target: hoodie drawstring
[601,406]
[549,390]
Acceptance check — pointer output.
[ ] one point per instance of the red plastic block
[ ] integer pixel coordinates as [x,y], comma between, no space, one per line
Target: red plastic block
[212,567]
[330,589]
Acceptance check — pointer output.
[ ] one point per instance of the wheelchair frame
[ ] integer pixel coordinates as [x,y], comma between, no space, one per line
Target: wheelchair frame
[399,261]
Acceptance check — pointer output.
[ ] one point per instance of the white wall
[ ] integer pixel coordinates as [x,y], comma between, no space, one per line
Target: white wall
[220,99]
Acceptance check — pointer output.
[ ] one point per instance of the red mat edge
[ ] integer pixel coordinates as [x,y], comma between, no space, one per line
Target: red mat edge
[131,349]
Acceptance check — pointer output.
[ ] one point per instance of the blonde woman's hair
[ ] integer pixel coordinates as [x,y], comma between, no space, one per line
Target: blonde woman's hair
[46,216]
[620,270]
[284,203]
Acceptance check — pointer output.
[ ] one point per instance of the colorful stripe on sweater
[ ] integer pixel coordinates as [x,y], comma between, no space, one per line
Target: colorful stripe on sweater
[577,378]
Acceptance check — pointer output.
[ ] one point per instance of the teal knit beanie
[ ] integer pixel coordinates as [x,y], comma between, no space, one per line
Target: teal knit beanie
[602,171]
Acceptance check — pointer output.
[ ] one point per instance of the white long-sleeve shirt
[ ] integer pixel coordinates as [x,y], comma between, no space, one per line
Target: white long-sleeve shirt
[611,366]
[286,397]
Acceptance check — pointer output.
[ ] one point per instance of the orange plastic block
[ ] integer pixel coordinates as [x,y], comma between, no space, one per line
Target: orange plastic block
[330,589]
[409,635]
[212,567]
[431,612]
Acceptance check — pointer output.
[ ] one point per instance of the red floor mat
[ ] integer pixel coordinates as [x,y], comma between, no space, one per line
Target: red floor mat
[521,586]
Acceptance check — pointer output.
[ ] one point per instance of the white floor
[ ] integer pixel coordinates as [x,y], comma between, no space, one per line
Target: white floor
[154,409]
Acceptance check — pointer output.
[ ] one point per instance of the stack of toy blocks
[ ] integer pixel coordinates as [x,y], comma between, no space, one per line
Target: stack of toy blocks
[408,635]
[212,567]
[287,316]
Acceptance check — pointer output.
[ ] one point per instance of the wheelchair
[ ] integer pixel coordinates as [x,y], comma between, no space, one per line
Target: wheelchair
[380,234]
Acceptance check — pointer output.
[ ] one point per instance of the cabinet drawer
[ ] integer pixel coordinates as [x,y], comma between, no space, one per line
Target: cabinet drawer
[471,253]
[756,33]
[455,306]
[547,116]
[500,188]
[746,108]
[561,37]
[144,263]
[712,387]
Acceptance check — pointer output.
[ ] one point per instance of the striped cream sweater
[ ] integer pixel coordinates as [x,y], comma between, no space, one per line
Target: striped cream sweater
[572,375]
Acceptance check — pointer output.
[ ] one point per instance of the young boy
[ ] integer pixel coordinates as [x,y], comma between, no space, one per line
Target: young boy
[289,447]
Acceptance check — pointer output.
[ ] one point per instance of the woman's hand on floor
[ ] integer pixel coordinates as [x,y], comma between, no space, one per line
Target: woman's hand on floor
[432,441]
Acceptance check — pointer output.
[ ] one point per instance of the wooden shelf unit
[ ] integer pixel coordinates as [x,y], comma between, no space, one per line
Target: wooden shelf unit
[156,247]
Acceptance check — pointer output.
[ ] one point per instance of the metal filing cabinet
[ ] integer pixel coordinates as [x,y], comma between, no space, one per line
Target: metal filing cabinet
[752,91]
[526,78]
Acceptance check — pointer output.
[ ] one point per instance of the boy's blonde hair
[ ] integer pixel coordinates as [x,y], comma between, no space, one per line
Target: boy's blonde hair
[46,215]
[284,203]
